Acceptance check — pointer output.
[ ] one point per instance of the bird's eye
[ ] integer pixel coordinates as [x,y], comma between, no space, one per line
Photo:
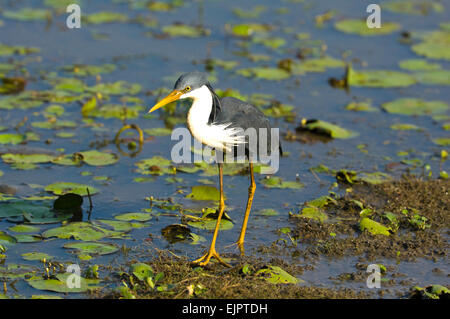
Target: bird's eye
[188,88]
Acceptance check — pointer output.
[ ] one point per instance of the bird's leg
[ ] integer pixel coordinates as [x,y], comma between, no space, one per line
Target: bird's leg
[251,193]
[204,260]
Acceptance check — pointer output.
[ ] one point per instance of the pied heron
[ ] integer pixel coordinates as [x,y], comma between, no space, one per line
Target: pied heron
[219,123]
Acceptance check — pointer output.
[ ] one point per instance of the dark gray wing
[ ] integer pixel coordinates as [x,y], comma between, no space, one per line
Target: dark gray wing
[244,115]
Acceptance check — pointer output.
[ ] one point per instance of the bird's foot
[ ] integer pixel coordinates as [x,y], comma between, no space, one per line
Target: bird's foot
[239,244]
[204,260]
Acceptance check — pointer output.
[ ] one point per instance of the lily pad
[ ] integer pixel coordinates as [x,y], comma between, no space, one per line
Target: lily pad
[28,14]
[265,73]
[183,30]
[373,227]
[436,77]
[94,248]
[158,131]
[141,217]
[415,7]
[141,271]
[23,228]
[204,192]
[36,256]
[210,224]
[11,138]
[277,182]
[379,78]
[432,50]
[314,212]
[328,129]
[277,275]
[443,141]
[356,26]
[412,106]
[79,231]
[405,127]
[89,70]
[62,188]
[419,64]
[105,17]
[96,158]
[116,88]
[59,284]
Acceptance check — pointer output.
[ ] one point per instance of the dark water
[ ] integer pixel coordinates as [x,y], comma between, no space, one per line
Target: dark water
[149,61]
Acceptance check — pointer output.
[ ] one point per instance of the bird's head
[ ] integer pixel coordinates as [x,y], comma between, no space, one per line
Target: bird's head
[187,86]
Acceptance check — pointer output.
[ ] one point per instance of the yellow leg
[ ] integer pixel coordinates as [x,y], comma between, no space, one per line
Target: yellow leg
[251,193]
[204,260]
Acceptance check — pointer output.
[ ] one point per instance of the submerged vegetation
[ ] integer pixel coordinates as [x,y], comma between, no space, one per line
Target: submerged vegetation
[86,176]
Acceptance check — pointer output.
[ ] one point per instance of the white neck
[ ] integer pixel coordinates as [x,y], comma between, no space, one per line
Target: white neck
[201,107]
[213,135]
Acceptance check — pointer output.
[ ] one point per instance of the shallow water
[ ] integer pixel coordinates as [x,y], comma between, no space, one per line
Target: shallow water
[149,61]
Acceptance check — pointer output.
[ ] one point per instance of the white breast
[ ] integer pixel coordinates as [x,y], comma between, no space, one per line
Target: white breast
[216,136]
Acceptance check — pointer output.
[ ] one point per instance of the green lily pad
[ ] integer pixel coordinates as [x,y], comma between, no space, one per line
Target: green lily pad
[54,125]
[270,42]
[31,213]
[419,64]
[379,78]
[361,107]
[374,178]
[183,30]
[6,50]
[80,231]
[11,138]
[116,88]
[204,192]
[26,238]
[59,284]
[36,256]
[405,127]
[89,70]
[69,85]
[436,77]
[105,17]
[26,158]
[443,141]
[277,182]
[28,14]
[121,226]
[23,228]
[328,129]
[315,65]
[141,217]
[432,50]
[412,106]
[158,131]
[94,248]
[141,271]
[313,212]
[249,29]
[96,158]
[156,165]
[415,7]
[373,227]
[210,224]
[62,188]
[14,271]
[355,26]
[265,73]
[277,275]
[6,240]
[253,13]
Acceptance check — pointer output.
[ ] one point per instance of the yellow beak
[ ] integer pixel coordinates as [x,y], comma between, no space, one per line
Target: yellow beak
[173,96]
